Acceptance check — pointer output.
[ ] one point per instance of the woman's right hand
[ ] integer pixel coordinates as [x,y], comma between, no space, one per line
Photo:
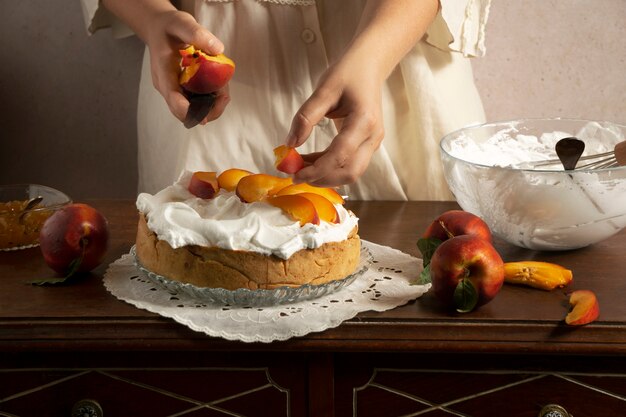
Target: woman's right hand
[169,32]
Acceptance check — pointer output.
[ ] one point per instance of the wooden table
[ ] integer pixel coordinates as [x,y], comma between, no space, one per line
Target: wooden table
[62,344]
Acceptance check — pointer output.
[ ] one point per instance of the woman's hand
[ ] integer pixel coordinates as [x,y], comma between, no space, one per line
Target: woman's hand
[349,93]
[170,32]
[166,30]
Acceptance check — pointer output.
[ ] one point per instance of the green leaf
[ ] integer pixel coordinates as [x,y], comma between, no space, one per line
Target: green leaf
[73,269]
[427,246]
[425,276]
[465,296]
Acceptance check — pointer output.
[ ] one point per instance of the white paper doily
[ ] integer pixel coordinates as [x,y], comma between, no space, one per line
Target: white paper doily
[386,285]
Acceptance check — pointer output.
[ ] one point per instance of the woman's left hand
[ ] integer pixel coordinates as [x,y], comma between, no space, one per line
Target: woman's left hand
[349,94]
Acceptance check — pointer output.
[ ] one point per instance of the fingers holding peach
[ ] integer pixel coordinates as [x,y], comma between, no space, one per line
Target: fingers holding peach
[204,79]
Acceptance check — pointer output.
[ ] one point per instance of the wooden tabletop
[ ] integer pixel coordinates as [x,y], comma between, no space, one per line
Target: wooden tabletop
[84,315]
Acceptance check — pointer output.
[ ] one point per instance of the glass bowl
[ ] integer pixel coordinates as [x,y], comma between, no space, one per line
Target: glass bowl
[244,297]
[490,170]
[21,216]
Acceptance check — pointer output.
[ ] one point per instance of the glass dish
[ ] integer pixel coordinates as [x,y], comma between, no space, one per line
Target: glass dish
[244,297]
[535,208]
[19,224]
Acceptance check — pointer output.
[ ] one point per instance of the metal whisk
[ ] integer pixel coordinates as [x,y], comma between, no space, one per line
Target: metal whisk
[614,158]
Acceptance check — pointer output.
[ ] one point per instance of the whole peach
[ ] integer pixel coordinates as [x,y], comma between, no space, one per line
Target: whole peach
[466,272]
[75,233]
[458,222]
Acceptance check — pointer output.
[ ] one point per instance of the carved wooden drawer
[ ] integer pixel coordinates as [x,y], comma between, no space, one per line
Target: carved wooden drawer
[194,391]
[399,388]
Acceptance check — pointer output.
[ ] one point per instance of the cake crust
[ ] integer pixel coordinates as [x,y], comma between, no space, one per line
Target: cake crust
[232,269]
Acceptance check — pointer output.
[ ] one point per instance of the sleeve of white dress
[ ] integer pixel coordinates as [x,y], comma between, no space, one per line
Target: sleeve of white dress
[460,26]
[98,17]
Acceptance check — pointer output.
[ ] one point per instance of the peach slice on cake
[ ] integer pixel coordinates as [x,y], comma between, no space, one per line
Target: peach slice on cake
[288,160]
[229,179]
[330,194]
[203,184]
[296,206]
[325,209]
[257,187]
[585,308]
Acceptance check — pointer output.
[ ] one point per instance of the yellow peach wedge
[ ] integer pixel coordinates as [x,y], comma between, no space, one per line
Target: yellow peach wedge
[330,194]
[297,207]
[203,184]
[585,308]
[542,275]
[229,178]
[325,209]
[257,187]
[288,160]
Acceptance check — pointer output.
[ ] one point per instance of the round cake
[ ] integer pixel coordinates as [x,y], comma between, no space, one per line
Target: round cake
[225,242]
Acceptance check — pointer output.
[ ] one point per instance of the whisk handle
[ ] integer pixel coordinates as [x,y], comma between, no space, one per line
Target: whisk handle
[620,153]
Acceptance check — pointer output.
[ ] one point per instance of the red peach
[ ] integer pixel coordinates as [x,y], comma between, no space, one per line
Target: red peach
[466,272]
[75,233]
[458,222]
[203,73]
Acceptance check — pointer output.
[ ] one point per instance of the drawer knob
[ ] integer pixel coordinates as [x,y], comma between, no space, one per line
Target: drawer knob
[87,408]
[554,410]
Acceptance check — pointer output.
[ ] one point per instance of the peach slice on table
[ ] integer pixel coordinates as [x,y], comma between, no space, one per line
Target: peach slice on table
[288,160]
[229,178]
[203,73]
[257,187]
[325,209]
[330,194]
[296,206]
[585,308]
[203,184]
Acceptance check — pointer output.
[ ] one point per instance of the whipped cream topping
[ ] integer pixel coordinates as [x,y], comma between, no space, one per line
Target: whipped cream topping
[510,148]
[180,218]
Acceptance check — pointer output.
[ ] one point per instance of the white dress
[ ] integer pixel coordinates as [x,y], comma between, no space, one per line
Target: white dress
[281,48]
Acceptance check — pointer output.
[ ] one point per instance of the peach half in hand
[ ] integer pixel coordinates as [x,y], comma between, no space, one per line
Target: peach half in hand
[325,209]
[585,308]
[257,187]
[229,179]
[296,206]
[203,184]
[330,194]
[288,160]
[202,73]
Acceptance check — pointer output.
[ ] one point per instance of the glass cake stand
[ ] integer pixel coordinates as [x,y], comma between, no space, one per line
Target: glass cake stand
[244,297]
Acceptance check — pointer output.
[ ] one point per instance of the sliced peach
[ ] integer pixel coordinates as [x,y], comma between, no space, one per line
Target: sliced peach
[203,184]
[202,73]
[257,187]
[330,194]
[229,179]
[288,160]
[325,209]
[585,308]
[298,207]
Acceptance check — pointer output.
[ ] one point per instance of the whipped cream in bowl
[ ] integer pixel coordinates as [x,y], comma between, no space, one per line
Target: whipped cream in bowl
[180,218]
[491,171]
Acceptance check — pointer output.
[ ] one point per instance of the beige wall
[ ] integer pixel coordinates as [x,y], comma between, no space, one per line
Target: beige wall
[69,100]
